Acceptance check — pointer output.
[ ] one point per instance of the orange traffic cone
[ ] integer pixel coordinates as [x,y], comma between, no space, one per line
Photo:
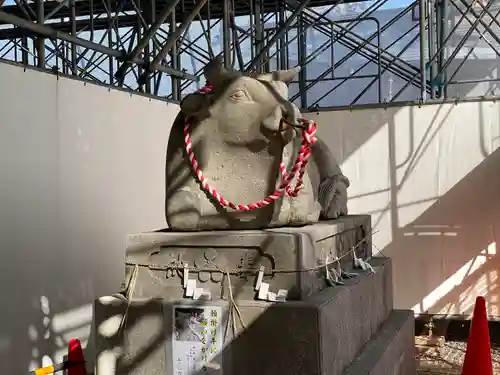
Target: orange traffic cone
[75,364]
[477,359]
[75,358]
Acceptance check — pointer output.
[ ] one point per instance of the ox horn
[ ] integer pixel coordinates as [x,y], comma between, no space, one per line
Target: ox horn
[285,76]
[215,72]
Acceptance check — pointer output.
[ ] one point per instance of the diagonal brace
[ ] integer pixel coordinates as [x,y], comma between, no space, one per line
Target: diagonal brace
[278,34]
[49,32]
[120,73]
[171,40]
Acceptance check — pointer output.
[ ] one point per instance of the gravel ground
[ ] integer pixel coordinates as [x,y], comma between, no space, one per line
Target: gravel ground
[448,359]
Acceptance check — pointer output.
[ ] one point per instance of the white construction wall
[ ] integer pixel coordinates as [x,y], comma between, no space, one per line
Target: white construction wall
[81,166]
[430,178]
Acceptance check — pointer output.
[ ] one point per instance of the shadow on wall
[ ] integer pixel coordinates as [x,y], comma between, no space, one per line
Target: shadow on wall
[36,329]
[447,255]
[79,171]
[429,177]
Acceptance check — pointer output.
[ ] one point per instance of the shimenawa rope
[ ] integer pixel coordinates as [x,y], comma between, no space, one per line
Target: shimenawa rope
[298,169]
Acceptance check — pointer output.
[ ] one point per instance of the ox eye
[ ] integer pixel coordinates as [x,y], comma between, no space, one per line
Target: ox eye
[238,95]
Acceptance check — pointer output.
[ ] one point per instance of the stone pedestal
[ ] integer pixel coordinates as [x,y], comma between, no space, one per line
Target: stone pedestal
[348,329]
[293,258]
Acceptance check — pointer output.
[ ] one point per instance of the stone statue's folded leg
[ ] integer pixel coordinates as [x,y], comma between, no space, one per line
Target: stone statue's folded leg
[332,190]
[332,195]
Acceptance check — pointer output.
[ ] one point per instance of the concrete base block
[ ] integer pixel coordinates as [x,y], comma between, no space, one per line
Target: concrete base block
[391,351]
[320,335]
[293,258]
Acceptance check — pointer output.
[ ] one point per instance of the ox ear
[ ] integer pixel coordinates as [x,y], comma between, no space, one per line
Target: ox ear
[285,76]
[194,103]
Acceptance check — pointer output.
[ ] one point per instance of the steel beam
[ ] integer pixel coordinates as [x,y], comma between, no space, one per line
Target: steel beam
[447,81]
[280,31]
[379,75]
[376,77]
[363,46]
[175,59]
[479,18]
[162,17]
[56,9]
[109,15]
[226,35]
[282,46]
[467,34]
[171,40]
[74,52]
[302,55]
[40,43]
[48,32]
[442,51]
[258,40]
[442,46]
[431,44]
[421,20]
[356,47]
[440,23]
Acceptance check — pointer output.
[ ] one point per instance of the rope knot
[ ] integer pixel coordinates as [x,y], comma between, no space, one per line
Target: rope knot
[206,89]
[309,133]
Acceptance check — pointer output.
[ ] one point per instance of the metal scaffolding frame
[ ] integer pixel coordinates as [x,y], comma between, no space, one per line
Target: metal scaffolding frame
[136,44]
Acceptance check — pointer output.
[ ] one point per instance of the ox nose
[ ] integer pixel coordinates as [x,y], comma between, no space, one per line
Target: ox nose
[291,114]
[286,124]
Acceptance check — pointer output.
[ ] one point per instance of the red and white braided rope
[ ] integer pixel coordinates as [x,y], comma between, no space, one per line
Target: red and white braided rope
[299,167]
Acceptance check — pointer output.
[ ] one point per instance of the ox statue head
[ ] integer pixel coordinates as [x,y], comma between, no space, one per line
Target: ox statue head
[244,107]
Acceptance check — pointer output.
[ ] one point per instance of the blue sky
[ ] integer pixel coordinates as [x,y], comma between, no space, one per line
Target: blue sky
[394,4]
[389,5]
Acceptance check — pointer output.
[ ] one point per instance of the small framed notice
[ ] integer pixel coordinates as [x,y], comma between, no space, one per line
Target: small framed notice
[196,339]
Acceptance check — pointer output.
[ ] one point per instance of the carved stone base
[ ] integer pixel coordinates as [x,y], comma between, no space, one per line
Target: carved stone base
[293,258]
[323,334]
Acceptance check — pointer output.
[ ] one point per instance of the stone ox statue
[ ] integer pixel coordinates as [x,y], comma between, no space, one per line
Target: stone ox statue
[239,134]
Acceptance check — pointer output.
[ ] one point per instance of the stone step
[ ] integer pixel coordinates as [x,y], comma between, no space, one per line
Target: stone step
[320,335]
[391,351]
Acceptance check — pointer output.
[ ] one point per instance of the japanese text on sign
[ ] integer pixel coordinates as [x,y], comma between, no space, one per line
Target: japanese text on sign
[196,339]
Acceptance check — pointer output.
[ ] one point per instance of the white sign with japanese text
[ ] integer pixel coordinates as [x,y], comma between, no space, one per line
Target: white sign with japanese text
[196,339]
